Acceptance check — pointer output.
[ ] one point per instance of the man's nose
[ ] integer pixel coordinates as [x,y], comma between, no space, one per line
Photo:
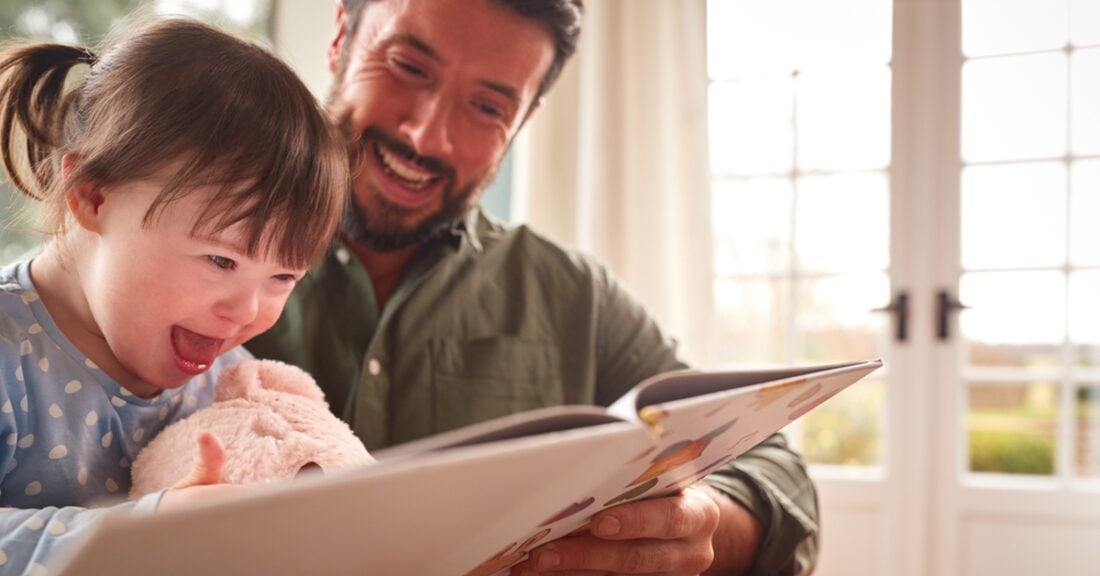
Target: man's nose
[428,126]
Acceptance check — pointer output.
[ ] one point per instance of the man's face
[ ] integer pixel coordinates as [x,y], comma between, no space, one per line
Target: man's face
[431,93]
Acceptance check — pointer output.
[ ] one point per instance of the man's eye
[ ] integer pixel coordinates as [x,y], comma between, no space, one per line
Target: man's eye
[489,110]
[408,68]
[222,262]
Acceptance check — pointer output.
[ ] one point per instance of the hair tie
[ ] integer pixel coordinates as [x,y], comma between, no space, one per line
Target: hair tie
[88,57]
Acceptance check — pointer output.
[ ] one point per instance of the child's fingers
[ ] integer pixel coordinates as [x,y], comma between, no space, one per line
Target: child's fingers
[209,465]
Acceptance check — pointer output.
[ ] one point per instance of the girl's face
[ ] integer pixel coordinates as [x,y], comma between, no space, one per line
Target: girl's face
[167,303]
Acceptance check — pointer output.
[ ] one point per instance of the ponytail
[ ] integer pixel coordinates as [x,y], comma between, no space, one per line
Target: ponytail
[35,106]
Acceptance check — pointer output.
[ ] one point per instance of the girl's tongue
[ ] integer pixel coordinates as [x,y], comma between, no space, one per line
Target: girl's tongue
[194,352]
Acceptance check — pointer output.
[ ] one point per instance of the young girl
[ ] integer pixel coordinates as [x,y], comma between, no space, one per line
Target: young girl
[188,181]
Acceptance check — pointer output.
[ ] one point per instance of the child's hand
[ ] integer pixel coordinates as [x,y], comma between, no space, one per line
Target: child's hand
[205,480]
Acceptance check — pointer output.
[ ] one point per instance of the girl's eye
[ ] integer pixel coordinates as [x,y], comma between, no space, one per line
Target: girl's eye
[286,278]
[222,262]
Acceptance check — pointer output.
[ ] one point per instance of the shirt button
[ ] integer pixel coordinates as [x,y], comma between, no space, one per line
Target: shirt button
[374,367]
[343,256]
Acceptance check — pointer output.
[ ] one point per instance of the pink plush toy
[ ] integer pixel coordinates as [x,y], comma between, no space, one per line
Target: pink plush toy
[273,422]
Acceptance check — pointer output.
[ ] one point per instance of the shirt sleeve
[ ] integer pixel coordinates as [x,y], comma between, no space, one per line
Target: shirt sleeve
[35,540]
[770,480]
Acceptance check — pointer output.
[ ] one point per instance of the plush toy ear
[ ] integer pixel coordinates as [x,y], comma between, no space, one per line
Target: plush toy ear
[253,378]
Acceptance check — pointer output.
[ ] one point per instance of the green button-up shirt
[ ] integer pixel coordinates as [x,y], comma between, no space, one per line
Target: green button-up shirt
[493,320]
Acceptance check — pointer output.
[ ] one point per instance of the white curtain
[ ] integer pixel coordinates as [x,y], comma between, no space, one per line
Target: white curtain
[615,162]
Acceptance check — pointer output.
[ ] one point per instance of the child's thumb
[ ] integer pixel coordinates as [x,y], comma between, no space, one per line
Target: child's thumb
[209,465]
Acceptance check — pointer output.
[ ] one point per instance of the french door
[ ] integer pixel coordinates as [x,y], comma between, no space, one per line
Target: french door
[920,181]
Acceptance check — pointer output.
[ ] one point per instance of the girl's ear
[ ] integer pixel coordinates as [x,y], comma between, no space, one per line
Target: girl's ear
[83,198]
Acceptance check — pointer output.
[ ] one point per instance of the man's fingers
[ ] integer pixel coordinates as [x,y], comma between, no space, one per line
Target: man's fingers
[588,554]
[685,515]
[209,464]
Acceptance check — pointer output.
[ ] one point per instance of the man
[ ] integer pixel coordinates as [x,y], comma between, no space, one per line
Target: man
[427,315]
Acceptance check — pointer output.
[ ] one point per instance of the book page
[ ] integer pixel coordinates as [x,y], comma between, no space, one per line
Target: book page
[523,424]
[698,422]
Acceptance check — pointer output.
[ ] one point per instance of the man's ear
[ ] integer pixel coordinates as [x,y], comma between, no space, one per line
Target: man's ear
[336,48]
[530,112]
[83,198]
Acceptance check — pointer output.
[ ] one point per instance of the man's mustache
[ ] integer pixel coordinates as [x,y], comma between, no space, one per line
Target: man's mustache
[406,151]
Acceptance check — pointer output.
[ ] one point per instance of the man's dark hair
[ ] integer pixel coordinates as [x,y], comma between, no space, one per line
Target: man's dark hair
[562,17]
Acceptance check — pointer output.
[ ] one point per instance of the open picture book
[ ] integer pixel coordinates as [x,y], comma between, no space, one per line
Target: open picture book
[476,500]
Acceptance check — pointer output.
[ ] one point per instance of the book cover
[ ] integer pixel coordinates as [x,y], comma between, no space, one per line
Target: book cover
[476,500]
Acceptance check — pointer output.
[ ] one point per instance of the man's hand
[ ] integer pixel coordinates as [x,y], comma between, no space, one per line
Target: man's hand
[669,536]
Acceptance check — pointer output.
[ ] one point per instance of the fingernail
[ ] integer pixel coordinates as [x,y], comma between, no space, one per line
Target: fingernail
[608,526]
[547,559]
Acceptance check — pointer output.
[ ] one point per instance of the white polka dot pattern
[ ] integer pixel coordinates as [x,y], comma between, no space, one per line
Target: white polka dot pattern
[73,428]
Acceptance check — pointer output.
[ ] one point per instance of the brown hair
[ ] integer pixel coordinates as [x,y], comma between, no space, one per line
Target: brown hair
[179,91]
[561,17]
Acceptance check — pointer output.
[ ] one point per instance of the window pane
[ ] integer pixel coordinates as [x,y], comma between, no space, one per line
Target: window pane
[749,38]
[1012,427]
[1088,432]
[1084,22]
[1004,26]
[17,224]
[848,428]
[842,31]
[835,321]
[1014,215]
[1084,243]
[1084,318]
[752,223]
[1014,108]
[1085,101]
[753,321]
[844,119]
[750,126]
[843,222]
[243,15]
[1015,319]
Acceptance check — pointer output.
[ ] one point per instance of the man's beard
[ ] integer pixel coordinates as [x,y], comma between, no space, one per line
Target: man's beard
[381,229]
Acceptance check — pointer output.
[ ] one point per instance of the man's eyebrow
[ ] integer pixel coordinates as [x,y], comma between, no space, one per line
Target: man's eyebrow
[505,90]
[417,43]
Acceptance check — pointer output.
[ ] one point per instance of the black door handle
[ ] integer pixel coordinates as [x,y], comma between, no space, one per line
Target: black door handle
[945,305]
[899,307]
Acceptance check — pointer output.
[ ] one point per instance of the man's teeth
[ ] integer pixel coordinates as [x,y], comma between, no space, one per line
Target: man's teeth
[414,178]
